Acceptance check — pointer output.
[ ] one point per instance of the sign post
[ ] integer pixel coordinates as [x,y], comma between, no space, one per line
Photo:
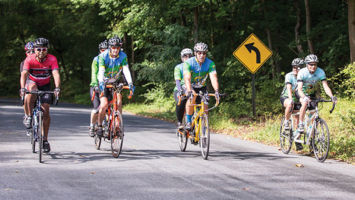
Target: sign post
[252,53]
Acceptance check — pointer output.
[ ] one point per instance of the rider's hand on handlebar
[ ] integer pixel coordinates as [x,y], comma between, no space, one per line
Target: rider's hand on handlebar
[56,92]
[96,89]
[101,86]
[216,94]
[131,88]
[189,94]
[306,99]
[334,99]
[22,92]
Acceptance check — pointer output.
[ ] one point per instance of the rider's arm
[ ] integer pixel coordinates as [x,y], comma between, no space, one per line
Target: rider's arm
[23,78]
[177,77]
[289,90]
[56,77]
[187,76]
[94,71]
[214,80]
[300,89]
[327,90]
[127,74]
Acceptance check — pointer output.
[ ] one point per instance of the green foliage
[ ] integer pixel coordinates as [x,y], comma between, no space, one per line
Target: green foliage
[344,81]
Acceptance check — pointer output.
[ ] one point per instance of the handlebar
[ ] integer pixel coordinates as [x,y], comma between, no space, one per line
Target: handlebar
[40,93]
[119,87]
[323,100]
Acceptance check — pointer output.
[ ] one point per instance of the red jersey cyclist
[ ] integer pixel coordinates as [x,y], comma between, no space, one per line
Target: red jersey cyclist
[37,71]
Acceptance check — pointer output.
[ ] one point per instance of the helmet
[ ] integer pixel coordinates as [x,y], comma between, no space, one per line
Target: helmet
[297,62]
[103,45]
[29,46]
[311,58]
[200,47]
[114,42]
[186,52]
[41,42]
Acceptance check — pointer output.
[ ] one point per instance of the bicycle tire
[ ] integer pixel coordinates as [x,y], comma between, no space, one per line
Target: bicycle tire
[320,140]
[182,136]
[40,136]
[204,137]
[33,136]
[117,135]
[285,138]
[97,141]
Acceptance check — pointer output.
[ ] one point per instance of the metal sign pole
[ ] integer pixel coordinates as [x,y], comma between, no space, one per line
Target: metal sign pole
[253,93]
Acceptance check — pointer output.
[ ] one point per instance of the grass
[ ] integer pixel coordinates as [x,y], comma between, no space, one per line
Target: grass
[341,125]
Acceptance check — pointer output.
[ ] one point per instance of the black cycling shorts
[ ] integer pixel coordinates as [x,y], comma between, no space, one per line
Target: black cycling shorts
[47,98]
[296,106]
[96,101]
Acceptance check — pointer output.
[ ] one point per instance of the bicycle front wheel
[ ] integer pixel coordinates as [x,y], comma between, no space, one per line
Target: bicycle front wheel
[320,140]
[33,136]
[117,135]
[285,138]
[40,134]
[182,136]
[204,137]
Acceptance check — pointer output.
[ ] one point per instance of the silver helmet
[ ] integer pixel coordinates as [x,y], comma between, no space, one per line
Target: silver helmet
[311,58]
[186,52]
[200,47]
[297,62]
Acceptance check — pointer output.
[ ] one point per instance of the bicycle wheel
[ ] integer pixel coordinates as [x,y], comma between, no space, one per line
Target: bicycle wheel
[40,135]
[320,140]
[285,138]
[182,136]
[204,137]
[117,135]
[97,140]
[33,136]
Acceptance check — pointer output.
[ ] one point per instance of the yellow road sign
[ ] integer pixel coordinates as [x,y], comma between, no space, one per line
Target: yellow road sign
[252,53]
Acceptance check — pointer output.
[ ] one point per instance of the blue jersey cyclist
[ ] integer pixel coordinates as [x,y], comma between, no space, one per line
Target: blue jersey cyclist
[307,78]
[196,71]
[180,86]
[94,89]
[111,62]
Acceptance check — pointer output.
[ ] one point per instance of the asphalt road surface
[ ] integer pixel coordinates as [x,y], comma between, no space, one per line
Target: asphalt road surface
[152,166]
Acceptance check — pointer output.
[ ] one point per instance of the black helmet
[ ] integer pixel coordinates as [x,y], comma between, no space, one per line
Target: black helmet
[103,45]
[41,42]
[311,58]
[297,62]
[200,47]
[114,42]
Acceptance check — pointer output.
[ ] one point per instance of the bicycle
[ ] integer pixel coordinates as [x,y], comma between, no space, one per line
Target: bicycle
[113,122]
[36,132]
[316,135]
[200,133]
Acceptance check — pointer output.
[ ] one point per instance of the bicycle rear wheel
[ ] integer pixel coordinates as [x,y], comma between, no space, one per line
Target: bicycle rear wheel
[204,136]
[40,136]
[320,140]
[97,140]
[182,136]
[285,138]
[117,135]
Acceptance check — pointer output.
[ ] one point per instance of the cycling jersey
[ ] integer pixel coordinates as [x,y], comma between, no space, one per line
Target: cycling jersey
[290,78]
[109,67]
[40,72]
[199,73]
[309,80]
[94,71]
[179,75]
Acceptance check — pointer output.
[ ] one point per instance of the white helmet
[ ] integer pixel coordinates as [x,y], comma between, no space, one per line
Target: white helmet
[311,58]
[186,52]
[200,47]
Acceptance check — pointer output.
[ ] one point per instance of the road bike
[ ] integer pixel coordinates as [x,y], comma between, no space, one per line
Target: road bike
[316,134]
[200,132]
[113,123]
[36,132]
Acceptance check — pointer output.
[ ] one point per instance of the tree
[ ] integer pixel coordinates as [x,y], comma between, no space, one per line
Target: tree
[351,24]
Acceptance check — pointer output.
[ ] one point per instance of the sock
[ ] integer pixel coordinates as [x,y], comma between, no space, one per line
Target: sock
[188,118]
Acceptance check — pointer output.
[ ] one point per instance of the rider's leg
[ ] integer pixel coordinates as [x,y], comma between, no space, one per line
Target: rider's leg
[302,114]
[29,98]
[46,120]
[102,110]
[288,105]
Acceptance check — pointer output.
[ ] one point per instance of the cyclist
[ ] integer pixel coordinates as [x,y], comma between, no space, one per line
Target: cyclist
[29,50]
[111,62]
[307,79]
[38,69]
[94,89]
[196,71]
[180,86]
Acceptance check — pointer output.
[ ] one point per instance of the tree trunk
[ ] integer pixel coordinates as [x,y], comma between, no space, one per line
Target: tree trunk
[351,24]
[132,58]
[212,18]
[182,18]
[297,28]
[196,25]
[308,26]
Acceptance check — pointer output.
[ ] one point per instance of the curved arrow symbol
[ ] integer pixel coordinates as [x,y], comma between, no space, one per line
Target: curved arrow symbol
[251,47]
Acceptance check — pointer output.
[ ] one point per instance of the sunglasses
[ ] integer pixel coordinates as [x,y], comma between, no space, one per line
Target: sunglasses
[41,49]
[201,53]
[187,55]
[298,68]
[29,51]
[312,64]
[115,47]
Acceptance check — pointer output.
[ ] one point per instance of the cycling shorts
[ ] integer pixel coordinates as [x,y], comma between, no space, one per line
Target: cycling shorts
[47,98]
[296,106]
[96,99]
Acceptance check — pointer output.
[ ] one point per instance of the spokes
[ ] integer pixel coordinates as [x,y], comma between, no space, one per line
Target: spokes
[321,140]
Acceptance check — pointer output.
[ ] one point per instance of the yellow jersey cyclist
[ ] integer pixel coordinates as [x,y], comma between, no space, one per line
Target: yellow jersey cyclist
[94,89]
[307,79]
[111,61]
[180,86]
[196,70]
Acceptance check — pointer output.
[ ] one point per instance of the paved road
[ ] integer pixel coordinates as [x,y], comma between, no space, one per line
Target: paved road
[151,165]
